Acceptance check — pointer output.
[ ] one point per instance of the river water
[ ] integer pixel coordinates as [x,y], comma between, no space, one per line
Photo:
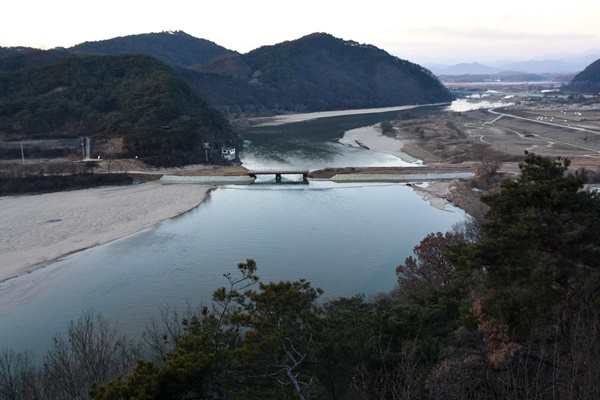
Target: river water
[344,238]
[312,143]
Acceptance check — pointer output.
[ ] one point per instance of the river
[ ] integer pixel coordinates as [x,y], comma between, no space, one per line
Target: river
[344,238]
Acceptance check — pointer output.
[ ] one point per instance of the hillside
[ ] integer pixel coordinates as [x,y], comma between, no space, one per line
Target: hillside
[587,81]
[134,101]
[317,72]
[176,48]
[15,58]
[12,50]
[314,73]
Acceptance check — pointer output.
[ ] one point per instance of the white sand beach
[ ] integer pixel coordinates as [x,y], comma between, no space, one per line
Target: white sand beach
[39,229]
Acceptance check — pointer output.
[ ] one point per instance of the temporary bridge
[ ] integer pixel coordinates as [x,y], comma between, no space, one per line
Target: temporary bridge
[279,172]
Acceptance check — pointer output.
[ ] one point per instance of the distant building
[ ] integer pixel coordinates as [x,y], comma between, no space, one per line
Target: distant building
[228,154]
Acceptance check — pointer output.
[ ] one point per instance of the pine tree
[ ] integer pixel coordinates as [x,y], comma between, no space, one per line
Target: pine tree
[540,255]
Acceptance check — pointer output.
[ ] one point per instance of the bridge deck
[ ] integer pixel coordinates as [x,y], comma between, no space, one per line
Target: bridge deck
[279,172]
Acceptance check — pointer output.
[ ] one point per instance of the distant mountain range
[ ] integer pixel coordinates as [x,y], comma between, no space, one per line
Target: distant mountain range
[556,64]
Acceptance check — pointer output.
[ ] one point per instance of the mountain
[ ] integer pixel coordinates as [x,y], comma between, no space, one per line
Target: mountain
[133,98]
[13,50]
[174,47]
[587,81]
[564,63]
[463,69]
[542,66]
[317,72]
[15,58]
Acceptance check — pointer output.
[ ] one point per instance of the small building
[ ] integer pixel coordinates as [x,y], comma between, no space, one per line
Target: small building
[228,153]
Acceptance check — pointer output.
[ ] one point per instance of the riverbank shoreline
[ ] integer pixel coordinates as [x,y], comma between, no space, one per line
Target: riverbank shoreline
[38,230]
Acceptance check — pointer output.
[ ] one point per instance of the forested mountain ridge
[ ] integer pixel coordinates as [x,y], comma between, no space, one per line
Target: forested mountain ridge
[587,81]
[176,48]
[134,98]
[11,50]
[15,58]
[315,73]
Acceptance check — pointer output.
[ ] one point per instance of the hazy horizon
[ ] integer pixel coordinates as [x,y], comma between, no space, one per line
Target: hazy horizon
[433,32]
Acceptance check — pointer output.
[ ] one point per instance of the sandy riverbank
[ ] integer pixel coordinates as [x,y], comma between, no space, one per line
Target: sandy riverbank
[291,118]
[371,137]
[38,229]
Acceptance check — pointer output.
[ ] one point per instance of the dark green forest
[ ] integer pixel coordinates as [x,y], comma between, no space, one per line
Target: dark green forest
[317,72]
[132,97]
[504,308]
[175,48]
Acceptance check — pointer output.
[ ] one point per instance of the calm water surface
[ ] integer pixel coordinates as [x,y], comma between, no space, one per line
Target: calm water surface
[346,239]
[313,144]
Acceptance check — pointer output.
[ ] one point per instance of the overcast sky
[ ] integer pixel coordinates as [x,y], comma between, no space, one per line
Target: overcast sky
[422,31]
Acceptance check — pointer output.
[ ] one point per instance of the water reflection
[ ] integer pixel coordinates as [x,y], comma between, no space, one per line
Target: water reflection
[347,239]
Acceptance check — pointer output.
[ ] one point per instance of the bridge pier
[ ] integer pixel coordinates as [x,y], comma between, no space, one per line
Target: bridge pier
[278,173]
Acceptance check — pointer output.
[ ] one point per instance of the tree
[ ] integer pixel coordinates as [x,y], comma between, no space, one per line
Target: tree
[201,356]
[487,175]
[252,343]
[387,127]
[540,254]
[342,345]
[92,352]
[359,356]
[14,369]
[282,320]
[431,268]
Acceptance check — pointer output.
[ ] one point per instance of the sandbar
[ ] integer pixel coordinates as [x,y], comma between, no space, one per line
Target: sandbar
[37,230]
[291,118]
[371,137]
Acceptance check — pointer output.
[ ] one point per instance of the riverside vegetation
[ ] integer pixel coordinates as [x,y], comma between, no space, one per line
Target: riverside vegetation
[503,308]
